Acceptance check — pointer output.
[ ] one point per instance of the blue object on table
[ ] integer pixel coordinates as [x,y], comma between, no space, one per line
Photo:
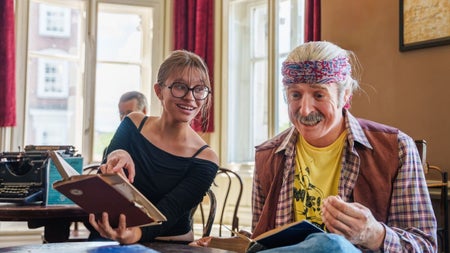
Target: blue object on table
[52,196]
[122,248]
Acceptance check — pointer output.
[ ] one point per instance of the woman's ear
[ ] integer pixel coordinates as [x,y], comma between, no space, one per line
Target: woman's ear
[158,90]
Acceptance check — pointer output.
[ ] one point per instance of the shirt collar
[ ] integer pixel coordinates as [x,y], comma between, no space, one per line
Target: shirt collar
[289,141]
[355,132]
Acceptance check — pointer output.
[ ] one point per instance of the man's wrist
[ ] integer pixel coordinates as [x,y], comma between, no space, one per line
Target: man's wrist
[378,241]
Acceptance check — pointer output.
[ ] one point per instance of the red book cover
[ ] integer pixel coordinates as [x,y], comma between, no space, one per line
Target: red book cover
[111,193]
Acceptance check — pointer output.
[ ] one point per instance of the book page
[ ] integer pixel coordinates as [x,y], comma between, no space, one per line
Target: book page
[64,168]
[237,244]
[288,234]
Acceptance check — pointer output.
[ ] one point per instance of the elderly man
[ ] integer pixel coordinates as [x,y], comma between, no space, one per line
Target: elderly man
[361,181]
[132,101]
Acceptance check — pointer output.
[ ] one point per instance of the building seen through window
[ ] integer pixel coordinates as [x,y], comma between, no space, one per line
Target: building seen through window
[71,97]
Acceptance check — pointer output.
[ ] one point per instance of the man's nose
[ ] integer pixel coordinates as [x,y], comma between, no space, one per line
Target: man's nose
[306,106]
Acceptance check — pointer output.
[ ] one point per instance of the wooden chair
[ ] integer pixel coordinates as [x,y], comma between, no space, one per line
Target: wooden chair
[230,185]
[437,180]
[91,168]
[207,220]
[227,189]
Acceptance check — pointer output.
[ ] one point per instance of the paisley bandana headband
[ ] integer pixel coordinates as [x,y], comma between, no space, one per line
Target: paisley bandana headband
[312,72]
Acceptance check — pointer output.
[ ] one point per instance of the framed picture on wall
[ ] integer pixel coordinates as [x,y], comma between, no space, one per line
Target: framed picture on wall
[424,23]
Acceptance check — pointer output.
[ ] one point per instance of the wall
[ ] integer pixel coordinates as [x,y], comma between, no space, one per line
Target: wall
[409,90]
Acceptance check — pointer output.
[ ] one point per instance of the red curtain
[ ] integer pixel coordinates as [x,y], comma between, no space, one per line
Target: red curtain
[7,61]
[194,31]
[312,20]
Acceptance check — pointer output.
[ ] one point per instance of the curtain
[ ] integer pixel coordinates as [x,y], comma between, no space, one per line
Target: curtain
[194,31]
[7,61]
[312,20]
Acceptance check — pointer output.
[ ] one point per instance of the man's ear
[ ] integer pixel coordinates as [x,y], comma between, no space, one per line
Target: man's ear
[347,96]
[347,99]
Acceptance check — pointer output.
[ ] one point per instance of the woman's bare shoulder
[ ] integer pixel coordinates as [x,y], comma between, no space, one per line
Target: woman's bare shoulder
[209,154]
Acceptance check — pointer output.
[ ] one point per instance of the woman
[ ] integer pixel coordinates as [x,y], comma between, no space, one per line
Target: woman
[163,156]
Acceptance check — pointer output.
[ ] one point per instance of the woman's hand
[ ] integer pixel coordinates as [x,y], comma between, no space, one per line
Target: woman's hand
[122,234]
[202,242]
[354,221]
[117,161]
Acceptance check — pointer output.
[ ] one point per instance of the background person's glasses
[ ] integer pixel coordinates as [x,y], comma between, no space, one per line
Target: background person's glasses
[179,90]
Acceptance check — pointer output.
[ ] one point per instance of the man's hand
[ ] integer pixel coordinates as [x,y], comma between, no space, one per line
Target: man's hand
[354,221]
[117,161]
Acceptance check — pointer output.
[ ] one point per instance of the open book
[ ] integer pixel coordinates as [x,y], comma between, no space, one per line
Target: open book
[288,234]
[111,193]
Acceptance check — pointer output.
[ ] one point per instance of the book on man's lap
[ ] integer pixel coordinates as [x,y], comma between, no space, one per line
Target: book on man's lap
[111,193]
[286,235]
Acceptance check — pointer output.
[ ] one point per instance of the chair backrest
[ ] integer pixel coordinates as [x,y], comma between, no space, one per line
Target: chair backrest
[439,181]
[91,168]
[224,199]
[422,148]
[228,188]
[206,211]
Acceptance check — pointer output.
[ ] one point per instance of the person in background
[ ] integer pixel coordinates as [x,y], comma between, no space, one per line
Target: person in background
[163,157]
[132,101]
[361,181]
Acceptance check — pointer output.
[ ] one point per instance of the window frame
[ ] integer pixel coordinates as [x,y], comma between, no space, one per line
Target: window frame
[273,78]
[13,139]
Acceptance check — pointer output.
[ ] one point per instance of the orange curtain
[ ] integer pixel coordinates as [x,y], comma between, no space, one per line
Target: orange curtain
[7,61]
[194,31]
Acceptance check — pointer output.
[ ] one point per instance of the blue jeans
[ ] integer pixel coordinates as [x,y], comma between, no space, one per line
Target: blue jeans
[318,243]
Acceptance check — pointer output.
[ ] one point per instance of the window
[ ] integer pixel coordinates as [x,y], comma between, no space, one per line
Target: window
[78,57]
[260,35]
[121,66]
[54,21]
[52,78]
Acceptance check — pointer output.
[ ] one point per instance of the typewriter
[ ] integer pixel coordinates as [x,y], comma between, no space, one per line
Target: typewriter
[23,174]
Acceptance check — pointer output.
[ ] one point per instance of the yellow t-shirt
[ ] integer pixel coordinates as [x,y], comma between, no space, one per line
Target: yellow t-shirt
[317,172]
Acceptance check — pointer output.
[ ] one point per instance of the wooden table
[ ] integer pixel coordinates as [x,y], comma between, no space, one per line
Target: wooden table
[56,220]
[109,247]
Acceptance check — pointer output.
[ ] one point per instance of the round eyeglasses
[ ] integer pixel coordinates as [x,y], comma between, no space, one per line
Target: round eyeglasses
[179,90]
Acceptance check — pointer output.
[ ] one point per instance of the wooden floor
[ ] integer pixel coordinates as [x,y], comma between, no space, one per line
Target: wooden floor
[17,233]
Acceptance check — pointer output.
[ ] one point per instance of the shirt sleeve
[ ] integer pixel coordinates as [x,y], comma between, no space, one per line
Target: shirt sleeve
[411,225]
[257,199]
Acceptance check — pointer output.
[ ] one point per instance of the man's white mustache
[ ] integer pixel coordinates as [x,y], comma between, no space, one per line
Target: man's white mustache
[311,119]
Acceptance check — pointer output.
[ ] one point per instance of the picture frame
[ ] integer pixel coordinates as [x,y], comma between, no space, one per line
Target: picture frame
[423,24]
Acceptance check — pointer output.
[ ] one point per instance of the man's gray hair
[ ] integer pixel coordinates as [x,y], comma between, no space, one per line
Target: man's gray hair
[141,99]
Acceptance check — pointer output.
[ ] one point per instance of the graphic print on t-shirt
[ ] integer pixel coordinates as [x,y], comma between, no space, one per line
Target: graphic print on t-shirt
[307,199]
